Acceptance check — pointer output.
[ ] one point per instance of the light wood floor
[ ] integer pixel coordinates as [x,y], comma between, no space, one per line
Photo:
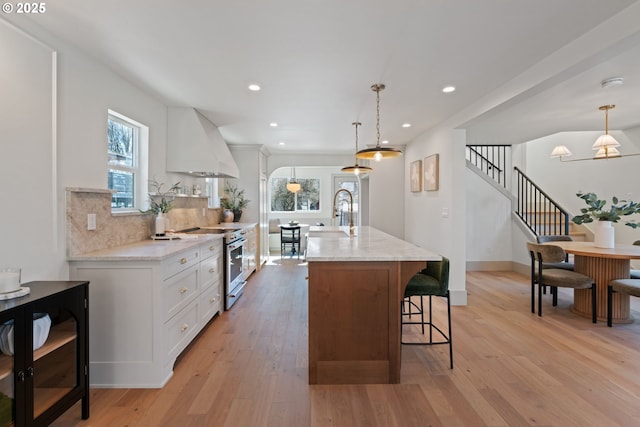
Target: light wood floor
[511,368]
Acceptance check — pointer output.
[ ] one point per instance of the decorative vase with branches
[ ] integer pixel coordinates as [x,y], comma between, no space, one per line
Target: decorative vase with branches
[234,200]
[596,210]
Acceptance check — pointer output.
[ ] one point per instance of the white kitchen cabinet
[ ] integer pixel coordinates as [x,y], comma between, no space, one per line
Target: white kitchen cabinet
[145,312]
[251,254]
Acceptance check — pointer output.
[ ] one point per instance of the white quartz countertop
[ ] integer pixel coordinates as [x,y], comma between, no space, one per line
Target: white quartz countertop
[148,250]
[331,243]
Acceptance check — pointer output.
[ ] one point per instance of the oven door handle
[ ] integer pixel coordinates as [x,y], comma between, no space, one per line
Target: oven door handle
[235,245]
[237,291]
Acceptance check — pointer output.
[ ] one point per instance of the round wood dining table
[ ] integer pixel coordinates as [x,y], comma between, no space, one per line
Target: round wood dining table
[603,265]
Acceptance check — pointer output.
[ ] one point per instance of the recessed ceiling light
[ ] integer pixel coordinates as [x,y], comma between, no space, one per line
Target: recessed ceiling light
[385,142]
[281,143]
[273,124]
[254,87]
[448,89]
[406,125]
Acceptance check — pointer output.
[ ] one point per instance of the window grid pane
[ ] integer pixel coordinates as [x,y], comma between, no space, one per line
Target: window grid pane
[305,200]
[124,184]
[121,140]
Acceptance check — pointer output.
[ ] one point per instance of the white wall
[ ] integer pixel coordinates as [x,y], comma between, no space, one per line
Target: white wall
[37,171]
[386,196]
[29,214]
[435,220]
[488,225]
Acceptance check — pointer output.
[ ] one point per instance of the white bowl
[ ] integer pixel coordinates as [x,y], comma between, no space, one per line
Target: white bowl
[9,279]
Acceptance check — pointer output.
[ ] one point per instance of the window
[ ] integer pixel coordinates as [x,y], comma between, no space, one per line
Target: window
[127,151]
[305,200]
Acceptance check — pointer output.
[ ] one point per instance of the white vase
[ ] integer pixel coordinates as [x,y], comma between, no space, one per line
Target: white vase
[160,224]
[605,235]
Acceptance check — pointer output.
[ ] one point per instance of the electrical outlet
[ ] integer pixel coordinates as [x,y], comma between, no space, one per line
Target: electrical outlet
[91,221]
[204,212]
[445,212]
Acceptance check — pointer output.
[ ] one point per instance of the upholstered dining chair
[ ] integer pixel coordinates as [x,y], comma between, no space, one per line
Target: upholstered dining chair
[556,277]
[635,274]
[564,264]
[626,286]
[290,236]
[433,281]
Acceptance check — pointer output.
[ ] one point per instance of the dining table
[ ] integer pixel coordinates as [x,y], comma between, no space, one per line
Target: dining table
[603,265]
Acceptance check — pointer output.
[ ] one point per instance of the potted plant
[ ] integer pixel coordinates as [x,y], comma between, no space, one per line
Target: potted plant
[160,202]
[234,200]
[604,235]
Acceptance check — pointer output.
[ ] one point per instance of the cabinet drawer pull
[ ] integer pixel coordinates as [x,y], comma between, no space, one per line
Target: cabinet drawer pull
[183,260]
[212,300]
[184,327]
[212,270]
[212,248]
[183,290]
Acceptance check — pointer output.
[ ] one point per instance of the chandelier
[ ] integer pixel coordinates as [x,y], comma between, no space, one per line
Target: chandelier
[606,146]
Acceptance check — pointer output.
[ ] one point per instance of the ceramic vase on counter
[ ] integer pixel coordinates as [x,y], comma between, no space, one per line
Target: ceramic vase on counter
[160,224]
[605,235]
[227,215]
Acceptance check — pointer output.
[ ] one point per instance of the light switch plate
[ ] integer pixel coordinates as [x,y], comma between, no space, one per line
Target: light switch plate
[91,221]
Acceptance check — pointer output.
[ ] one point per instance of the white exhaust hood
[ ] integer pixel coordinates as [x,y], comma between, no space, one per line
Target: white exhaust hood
[195,146]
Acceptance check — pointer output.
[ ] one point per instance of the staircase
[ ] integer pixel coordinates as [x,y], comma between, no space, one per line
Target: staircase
[538,212]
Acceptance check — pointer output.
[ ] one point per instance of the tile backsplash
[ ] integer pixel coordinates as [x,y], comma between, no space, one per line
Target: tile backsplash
[121,229]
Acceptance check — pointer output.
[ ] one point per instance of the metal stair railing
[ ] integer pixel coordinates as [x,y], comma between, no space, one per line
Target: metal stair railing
[537,210]
[490,159]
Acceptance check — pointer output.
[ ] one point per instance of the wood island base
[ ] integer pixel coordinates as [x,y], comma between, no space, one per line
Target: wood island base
[354,320]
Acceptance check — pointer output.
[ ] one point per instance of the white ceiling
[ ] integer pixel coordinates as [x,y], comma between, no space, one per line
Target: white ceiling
[522,68]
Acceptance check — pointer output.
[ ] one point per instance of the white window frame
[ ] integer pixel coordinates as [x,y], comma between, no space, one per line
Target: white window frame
[295,197]
[140,169]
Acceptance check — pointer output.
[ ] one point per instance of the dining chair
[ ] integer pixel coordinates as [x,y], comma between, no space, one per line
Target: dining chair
[556,277]
[635,274]
[432,281]
[290,236]
[564,264]
[626,286]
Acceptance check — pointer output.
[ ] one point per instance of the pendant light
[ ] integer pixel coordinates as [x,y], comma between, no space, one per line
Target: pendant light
[605,146]
[356,168]
[378,153]
[606,143]
[293,185]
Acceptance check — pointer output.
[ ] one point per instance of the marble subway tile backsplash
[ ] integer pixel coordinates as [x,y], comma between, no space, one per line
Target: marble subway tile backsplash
[121,229]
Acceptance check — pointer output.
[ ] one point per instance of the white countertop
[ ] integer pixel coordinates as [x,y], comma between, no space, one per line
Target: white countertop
[331,243]
[148,250]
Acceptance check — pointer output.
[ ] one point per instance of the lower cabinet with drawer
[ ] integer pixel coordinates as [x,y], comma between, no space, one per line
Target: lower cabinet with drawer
[144,313]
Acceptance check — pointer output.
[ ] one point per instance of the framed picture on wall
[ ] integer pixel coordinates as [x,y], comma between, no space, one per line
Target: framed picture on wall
[416,176]
[431,173]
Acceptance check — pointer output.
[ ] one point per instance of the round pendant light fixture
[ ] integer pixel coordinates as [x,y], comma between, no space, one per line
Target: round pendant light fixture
[293,185]
[379,152]
[356,168]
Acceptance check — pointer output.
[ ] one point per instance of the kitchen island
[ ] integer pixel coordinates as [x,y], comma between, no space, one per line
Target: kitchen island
[356,285]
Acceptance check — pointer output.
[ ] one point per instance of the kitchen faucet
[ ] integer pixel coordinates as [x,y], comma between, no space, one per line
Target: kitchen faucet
[335,211]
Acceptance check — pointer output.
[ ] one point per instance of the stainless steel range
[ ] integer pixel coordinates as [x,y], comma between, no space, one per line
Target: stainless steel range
[234,242]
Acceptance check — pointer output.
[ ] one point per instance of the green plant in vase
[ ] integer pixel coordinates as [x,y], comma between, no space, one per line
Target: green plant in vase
[597,210]
[234,200]
[160,202]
